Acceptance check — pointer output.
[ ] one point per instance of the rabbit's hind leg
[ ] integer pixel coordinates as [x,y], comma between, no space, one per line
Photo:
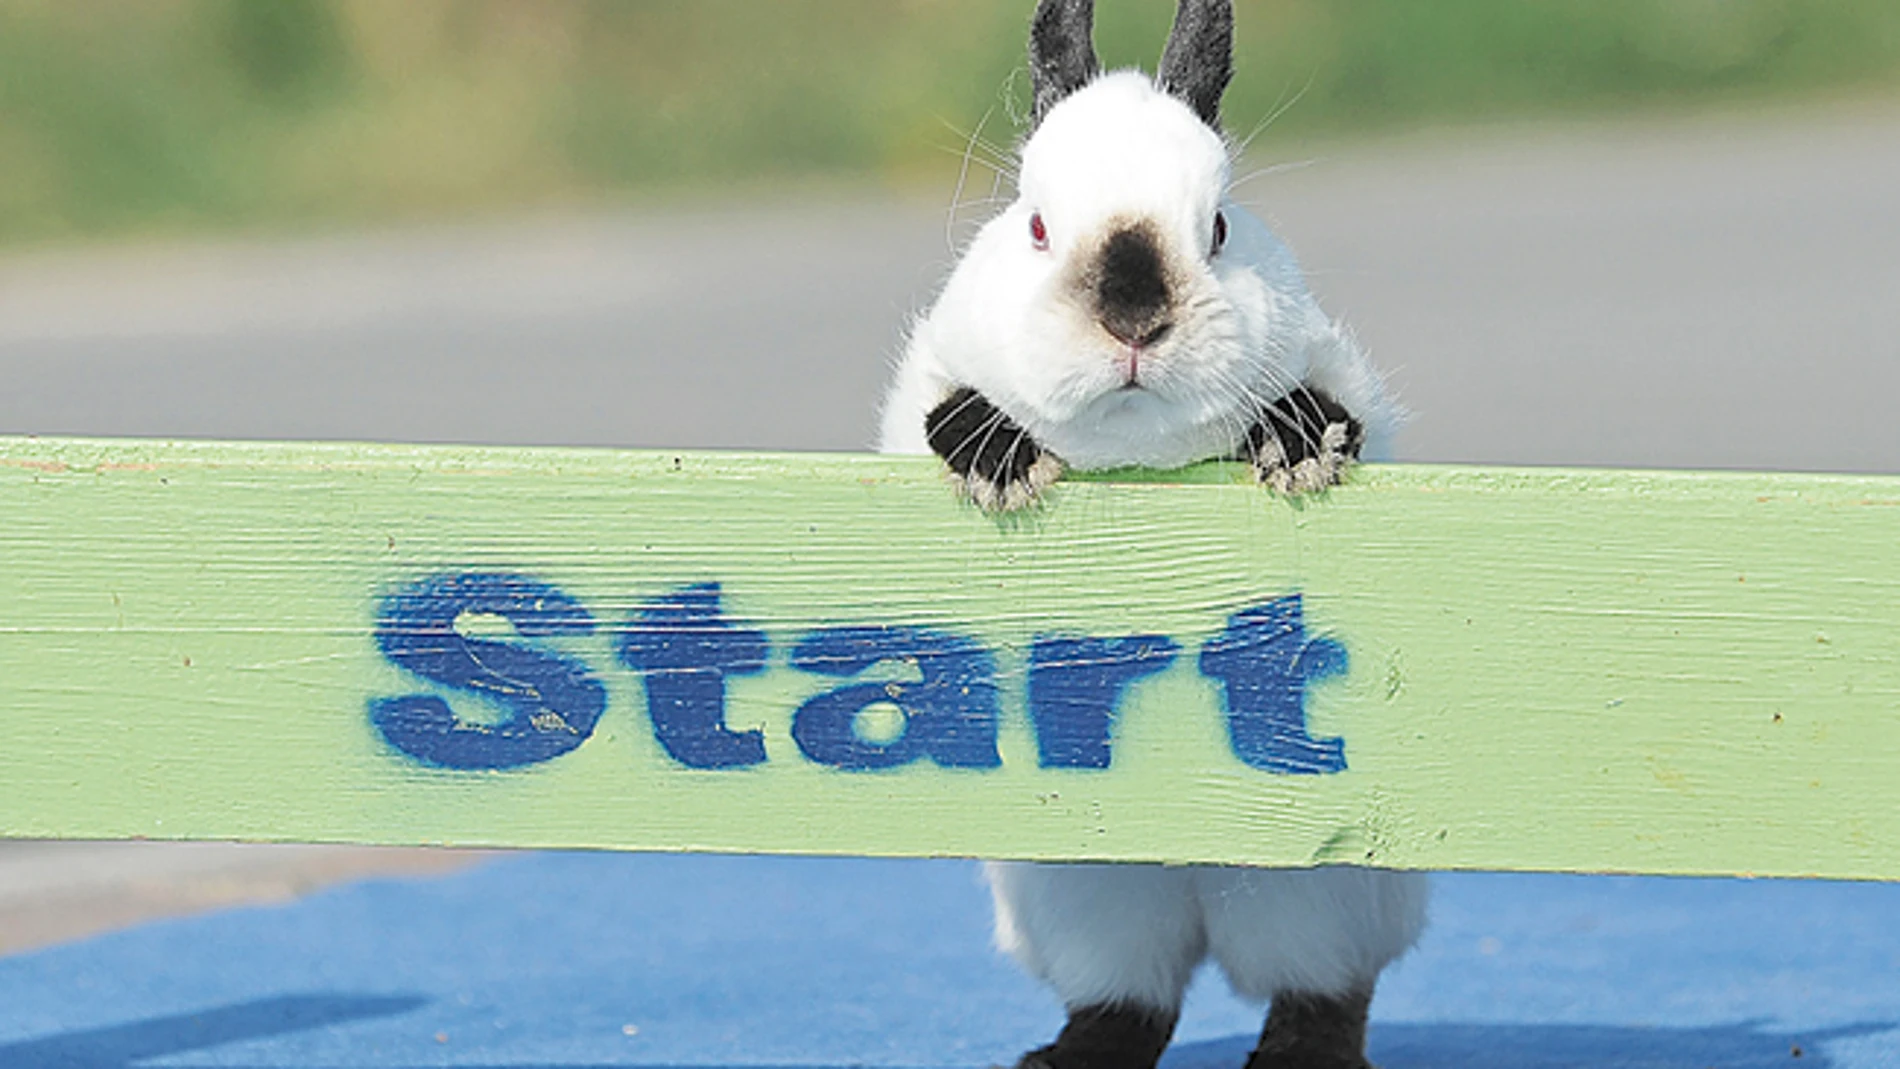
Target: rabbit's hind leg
[1307,1031]
[1118,943]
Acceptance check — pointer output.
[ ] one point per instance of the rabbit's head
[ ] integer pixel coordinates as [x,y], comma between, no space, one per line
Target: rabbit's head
[1121,309]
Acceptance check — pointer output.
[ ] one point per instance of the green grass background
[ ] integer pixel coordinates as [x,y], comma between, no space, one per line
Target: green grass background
[136,117]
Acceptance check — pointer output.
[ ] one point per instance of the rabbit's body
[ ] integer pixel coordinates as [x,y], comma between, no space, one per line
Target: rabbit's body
[1123,312]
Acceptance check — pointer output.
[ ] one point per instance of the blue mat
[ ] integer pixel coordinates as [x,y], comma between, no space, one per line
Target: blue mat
[564,961]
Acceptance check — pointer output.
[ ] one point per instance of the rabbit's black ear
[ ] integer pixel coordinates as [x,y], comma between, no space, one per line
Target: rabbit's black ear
[1061,51]
[1199,59]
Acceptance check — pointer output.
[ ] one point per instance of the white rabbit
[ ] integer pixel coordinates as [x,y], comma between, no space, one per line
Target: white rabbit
[1123,312]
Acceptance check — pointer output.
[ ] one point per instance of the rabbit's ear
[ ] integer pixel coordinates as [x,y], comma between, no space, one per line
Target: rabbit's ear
[1061,51]
[1199,59]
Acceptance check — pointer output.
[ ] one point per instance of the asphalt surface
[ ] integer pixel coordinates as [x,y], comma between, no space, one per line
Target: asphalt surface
[1716,292]
[1689,293]
[53,892]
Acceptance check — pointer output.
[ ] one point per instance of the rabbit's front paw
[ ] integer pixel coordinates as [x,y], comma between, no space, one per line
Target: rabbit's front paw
[991,459]
[1303,442]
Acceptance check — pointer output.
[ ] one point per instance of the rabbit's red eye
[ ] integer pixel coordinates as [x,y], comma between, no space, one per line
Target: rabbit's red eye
[1038,232]
[1220,230]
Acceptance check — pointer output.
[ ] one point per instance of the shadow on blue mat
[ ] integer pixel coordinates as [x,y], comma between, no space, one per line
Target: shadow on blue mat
[126,1045]
[1515,1046]
[1394,1046]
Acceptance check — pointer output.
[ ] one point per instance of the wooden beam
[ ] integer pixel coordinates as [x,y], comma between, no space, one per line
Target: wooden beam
[1432,667]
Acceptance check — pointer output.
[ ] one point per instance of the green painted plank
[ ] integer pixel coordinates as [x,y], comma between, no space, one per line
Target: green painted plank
[1545,669]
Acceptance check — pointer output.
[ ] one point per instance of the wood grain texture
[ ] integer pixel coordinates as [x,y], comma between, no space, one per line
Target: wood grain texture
[1549,669]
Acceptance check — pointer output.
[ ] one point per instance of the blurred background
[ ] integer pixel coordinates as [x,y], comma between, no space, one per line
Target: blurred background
[177,117]
[1601,232]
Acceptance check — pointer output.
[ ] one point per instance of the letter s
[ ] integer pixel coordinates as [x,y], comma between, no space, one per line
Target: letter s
[553,702]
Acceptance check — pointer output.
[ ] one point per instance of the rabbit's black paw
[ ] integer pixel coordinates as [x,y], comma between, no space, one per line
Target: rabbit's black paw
[1307,1031]
[1105,1037]
[991,459]
[1303,442]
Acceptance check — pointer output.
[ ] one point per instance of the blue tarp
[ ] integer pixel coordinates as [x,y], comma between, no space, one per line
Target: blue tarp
[580,961]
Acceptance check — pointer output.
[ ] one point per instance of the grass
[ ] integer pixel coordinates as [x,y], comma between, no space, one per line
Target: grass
[125,117]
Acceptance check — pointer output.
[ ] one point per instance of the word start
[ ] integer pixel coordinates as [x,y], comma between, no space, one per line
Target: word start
[685,649]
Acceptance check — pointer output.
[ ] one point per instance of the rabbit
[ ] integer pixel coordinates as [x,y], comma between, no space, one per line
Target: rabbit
[1122,311]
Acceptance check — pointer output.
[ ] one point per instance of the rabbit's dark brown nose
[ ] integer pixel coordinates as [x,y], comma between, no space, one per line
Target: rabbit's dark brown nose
[1138,337]
[1131,287]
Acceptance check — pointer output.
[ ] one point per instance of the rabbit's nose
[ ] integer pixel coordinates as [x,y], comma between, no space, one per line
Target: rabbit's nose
[1131,286]
[1137,336]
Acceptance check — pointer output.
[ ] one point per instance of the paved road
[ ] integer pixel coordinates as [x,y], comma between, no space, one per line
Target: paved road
[1719,292]
[55,892]
[1687,293]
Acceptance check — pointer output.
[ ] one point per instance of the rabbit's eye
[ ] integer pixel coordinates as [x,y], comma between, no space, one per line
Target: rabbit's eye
[1220,232]
[1038,233]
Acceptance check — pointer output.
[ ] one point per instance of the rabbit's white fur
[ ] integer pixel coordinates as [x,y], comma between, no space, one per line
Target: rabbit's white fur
[1009,324]
[1134,934]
